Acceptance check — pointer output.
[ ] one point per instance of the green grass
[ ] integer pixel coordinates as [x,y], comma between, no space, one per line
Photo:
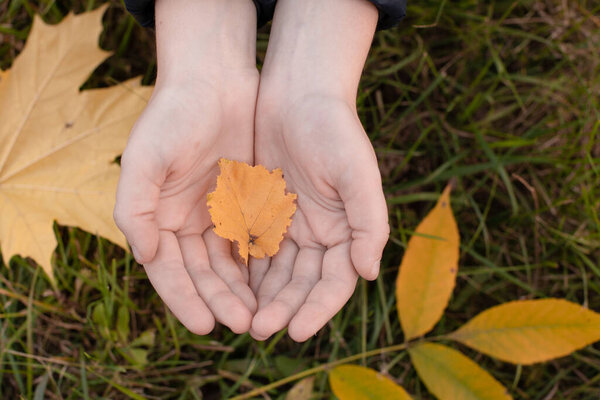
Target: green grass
[501,96]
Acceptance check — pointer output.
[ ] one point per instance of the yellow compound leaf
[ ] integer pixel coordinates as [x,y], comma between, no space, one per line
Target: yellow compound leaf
[353,382]
[428,270]
[530,331]
[450,375]
[57,144]
[250,206]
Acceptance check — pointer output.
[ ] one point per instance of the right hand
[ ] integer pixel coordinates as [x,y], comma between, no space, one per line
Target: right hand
[202,109]
[340,226]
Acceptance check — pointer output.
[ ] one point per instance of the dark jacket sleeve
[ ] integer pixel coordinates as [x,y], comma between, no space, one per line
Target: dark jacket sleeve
[390,11]
[142,11]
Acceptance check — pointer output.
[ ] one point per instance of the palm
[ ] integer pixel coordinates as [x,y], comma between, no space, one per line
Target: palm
[328,161]
[169,166]
[196,141]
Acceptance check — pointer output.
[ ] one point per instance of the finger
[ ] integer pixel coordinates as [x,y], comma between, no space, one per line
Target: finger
[328,296]
[222,262]
[278,313]
[361,191]
[174,286]
[244,269]
[279,273]
[138,193]
[258,268]
[227,308]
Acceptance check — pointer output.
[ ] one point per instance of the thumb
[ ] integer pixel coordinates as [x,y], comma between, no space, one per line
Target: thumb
[138,193]
[362,194]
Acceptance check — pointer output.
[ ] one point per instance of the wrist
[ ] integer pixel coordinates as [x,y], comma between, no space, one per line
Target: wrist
[278,105]
[210,38]
[283,96]
[318,47]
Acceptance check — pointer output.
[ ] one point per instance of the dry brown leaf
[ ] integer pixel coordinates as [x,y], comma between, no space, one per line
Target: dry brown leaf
[57,144]
[250,206]
[302,390]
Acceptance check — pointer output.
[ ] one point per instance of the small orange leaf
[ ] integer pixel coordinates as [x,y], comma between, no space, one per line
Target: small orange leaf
[250,206]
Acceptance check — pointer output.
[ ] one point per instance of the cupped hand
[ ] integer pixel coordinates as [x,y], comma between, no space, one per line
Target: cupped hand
[167,169]
[341,224]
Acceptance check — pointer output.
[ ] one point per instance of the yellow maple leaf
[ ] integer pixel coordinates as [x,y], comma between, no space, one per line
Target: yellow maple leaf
[57,144]
[250,206]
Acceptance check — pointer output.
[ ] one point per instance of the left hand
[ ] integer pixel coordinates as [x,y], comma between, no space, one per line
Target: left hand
[306,123]
[341,223]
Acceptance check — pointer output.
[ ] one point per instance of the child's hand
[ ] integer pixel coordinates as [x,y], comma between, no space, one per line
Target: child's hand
[306,123]
[202,109]
[340,227]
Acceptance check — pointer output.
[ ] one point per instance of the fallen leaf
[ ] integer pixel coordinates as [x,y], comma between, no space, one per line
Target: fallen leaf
[57,144]
[301,390]
[353,382]
[450,375]
[428,270]
[530,331]
[250,206]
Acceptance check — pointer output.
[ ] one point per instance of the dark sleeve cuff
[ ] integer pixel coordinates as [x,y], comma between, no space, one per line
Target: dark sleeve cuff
[143,11]
[391,12]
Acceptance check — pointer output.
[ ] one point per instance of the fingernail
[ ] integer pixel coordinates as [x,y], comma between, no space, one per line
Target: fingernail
[136,254]
[375,269]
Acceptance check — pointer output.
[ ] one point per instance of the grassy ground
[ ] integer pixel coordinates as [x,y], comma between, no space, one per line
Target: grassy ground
[501,95]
